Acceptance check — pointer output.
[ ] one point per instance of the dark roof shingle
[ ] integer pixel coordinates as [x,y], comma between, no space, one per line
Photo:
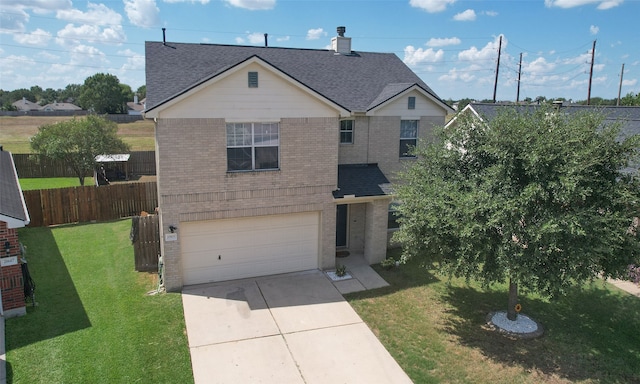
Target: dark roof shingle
[352,81]
[360,180]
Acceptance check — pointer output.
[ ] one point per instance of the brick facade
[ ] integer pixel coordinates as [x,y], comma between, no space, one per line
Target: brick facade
[11,284]
[194,183]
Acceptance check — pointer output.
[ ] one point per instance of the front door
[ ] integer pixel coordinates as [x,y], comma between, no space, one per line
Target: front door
[341,225]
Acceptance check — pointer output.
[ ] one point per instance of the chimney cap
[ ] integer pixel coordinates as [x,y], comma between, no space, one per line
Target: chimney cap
[341,30]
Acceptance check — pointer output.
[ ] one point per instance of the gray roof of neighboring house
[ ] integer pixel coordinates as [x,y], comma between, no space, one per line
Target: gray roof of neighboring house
[26,105]
[356,82]
[11,201]
[361,180]
[61,107]
[629,117]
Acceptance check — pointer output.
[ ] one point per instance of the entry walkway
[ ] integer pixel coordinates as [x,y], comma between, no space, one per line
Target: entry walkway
[293,328]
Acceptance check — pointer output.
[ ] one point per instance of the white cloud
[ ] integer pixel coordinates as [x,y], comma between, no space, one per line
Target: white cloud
[455,74]
[251,37]
[142,13]
[413,56]
[203,2]
[594,29]
[71,35]
[468,15]
[431,6]
[629,82]
[38,38]
[41,6]
[443,42]
[315,34]
[488,52]
[256,38]
[134,60]
[13,20]
[283,38]
[602,4]
[252,5]
[490,13]
[97,14]
[538,66]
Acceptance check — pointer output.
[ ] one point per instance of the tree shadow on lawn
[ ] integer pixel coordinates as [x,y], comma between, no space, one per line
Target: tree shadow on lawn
[58,309]
[591,333]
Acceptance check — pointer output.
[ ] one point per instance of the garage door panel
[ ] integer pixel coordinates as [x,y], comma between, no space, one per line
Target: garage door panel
[238,248]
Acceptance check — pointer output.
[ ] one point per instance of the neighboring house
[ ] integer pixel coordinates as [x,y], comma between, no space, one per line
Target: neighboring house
[13,215]
[25,105]
[135,107]
[271,159]
[627,117]
[55,106]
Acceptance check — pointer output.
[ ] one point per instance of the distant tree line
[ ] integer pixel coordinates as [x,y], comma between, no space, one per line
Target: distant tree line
[630,99]
[100,93]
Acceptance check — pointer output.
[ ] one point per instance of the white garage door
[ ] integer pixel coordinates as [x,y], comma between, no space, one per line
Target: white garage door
[230,249]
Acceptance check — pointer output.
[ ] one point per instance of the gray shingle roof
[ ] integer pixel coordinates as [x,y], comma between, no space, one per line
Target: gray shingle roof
[629,117]
[360,180]
[11,203]
[352,81]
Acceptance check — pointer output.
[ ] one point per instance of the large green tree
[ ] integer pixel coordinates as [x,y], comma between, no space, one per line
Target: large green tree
[78,141]
[102,93]
[532,197]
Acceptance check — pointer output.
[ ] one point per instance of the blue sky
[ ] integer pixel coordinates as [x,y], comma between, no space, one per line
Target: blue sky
[451,44]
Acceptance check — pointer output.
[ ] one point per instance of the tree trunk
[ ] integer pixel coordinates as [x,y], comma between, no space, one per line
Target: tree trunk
[513,300]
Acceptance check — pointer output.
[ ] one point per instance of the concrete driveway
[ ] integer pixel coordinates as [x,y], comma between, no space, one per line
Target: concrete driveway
[294,328]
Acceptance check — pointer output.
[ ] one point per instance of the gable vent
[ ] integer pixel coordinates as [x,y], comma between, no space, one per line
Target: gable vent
[341,44]
[253,79]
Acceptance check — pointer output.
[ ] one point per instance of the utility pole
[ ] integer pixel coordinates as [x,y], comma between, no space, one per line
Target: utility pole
[519,73]
[593,54]
[620,86]
[495,85]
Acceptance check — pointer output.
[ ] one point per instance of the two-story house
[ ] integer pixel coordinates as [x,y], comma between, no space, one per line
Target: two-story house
[270,159]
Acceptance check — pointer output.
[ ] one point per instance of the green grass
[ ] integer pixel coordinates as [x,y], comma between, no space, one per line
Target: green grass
[51,182]
[435,328]
[93,322]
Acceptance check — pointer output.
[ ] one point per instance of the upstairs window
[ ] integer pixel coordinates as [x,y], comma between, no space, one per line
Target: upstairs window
[411,103]
[346,131]
[408,137]
[253,80]
[252,146]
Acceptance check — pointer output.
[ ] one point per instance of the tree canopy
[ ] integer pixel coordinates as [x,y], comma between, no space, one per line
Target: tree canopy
[77,142]
[533,197]
[103,93]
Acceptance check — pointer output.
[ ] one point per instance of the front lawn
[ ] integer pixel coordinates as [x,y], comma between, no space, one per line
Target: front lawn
[435,329]
[93,322]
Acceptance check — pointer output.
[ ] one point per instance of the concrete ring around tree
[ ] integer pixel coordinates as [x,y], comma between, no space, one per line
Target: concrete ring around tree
[524,327]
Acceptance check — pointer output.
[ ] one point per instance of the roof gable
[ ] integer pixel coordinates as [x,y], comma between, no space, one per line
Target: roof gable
[228,74]
[392,92]
[351,81]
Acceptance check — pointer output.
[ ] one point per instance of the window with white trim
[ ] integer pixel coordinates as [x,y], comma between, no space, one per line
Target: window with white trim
[346,131]
[252,146]
[408,137]
[411,103]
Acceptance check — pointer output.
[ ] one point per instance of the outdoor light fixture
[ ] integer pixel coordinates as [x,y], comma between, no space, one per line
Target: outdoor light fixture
[172,228]
[7,246]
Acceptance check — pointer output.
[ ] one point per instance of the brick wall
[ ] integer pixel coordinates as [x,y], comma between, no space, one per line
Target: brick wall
[11,283]
[194,183]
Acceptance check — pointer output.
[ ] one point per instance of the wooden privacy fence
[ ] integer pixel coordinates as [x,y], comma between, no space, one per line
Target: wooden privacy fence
[33,165]
[90,203]
[145,237]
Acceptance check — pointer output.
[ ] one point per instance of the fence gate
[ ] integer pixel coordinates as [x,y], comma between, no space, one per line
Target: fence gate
[145,237]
